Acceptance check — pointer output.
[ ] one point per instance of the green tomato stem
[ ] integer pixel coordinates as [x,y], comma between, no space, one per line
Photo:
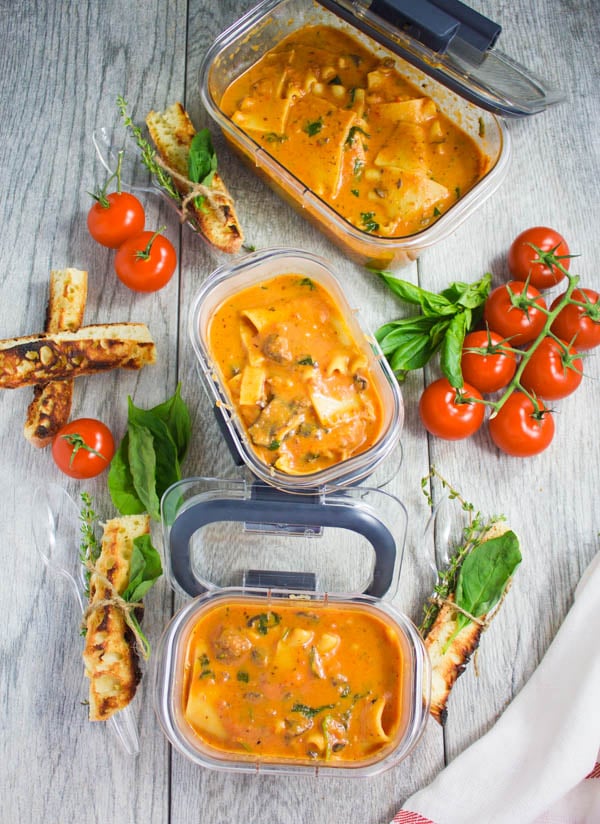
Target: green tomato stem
[144,254]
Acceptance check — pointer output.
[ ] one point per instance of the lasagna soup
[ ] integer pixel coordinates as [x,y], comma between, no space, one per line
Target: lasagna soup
[307,682]
[346,123]
[300,383]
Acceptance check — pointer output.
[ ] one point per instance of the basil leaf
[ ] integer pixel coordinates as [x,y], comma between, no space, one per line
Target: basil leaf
[484,575]
[166,469]
[202,163]
[176,416]
[120,482]
[469,295]
[451,349]
[410,293]
[145,569]
[393,334]
[413,353]
[142,464]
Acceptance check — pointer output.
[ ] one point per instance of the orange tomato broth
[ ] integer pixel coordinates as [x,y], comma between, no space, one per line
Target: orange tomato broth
[300,382]
[354,131]
[294,681]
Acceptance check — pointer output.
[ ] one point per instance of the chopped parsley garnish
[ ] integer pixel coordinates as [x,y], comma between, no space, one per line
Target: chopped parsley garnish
[265,621]
[275,444]
[368,223]
[335,81]
[308,282]
[354,130]
[243,676]
[307,361]
[313,127]
[436,211]
[358,168]
[310,712]
[355,192]
[457,192]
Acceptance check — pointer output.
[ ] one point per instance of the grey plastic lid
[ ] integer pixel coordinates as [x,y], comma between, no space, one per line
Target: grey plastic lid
[222,533]
[453,44]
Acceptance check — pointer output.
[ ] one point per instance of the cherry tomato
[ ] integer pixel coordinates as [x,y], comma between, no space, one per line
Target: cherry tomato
[115,217]
[519,430]
[507,313]
[521,256]
[83,448]
[146,262]
[492,368]
[579,324]
[553,371]
[449,414]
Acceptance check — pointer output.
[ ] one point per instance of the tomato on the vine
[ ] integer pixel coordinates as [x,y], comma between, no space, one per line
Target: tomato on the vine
[492,367]
[115,217]
[553,370]
[515,312]
[83,448]
[450,413]
[579,322]
[519,429]
[522,258]
[146,262]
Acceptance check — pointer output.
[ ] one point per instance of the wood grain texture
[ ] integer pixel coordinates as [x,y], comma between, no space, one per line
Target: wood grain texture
[61,67]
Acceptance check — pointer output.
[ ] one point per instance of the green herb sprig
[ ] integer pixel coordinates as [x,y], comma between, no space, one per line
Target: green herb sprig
[148,153]
[484,579]
[445,319]
[149,457]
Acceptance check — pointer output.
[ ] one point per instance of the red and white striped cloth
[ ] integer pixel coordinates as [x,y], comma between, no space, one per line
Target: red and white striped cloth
[536,764]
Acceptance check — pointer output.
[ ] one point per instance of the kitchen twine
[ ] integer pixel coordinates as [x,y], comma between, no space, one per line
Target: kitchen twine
[216,199]
[115,600]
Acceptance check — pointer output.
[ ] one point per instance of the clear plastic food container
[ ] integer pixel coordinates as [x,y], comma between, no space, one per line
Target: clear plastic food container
[257,269]
[237,696]
[452,60]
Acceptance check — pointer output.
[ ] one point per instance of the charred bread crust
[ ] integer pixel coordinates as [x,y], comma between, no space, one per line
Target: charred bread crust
[172,132]
[449,660]
[50,407]
[45,357]
[110,657]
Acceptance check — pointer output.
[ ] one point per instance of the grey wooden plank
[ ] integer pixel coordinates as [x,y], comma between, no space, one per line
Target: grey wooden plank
[62,66]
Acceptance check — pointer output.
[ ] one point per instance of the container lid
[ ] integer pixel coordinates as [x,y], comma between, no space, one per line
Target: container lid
[223,533]
[455,45]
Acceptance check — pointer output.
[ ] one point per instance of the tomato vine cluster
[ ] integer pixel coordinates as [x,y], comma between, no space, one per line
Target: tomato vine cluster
[528,353]
[144,261]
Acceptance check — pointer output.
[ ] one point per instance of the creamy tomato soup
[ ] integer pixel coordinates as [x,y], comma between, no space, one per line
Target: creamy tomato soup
[302,385]
[348,125]
[294,681]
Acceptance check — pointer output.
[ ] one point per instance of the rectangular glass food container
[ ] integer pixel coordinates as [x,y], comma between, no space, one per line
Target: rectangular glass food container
[233,542]
[264,27]
[253,269]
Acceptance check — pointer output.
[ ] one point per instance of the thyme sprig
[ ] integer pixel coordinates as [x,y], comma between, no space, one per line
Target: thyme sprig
[474,532]
[148,153]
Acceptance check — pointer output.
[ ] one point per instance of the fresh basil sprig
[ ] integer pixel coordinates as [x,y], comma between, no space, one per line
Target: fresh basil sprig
[409,343]
[144,570]
[483,576]
[149,457]
[202,163]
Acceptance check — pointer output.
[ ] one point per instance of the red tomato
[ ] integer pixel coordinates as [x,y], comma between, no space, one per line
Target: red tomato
[490,369]
[507,312]
[448,413]
[146,262]
[519,430]
[579,324]
[83,448]
[553,371]
[114,218]
[521,256]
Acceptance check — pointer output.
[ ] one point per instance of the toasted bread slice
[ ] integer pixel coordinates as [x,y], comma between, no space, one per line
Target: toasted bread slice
[172,132]
[51,405]
[110,658]
[45,357]
[449,660]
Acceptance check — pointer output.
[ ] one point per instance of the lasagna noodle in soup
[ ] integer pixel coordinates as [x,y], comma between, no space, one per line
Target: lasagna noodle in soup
[301,384]
[298,682]
[346,123]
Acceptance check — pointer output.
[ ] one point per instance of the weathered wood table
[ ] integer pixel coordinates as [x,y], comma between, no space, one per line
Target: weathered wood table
[62,65]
